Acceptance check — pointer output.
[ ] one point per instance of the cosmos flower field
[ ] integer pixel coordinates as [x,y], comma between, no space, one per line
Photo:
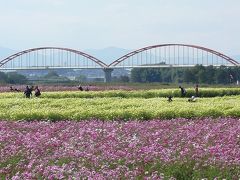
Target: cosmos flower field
[97,149]
[108,146]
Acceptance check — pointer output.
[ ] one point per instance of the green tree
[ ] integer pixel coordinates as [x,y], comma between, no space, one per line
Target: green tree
[136,75]
[197,74]
[210,74]
[152,75]
[3,78]
[15,78]
[81,78]
[51,74]
[166,75]
[222,76]
[124,79]
[189,76]
[202,76]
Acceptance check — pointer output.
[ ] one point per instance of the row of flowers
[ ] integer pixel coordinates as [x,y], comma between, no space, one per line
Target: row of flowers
[96,149]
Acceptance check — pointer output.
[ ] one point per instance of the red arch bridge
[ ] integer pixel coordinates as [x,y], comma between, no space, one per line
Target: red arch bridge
[163,55]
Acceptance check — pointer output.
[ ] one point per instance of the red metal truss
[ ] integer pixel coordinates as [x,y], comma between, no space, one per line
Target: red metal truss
[121,59]
[99,62]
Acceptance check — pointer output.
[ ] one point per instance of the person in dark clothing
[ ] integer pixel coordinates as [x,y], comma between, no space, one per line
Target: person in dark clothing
[80,88]
[183,91]
[37,92]
[15,89]
[32,88]
[28,92]
[196,90]
[170,98]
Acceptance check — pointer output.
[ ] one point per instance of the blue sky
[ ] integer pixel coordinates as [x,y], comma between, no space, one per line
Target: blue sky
[130,24]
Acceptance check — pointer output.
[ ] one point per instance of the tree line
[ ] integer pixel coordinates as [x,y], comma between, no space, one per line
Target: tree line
[196,74]
[12,78]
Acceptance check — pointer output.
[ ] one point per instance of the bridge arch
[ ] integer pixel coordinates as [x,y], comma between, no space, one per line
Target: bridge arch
[48,54]
[180,52]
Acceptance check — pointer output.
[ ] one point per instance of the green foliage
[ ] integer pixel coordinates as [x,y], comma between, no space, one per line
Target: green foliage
[187,170]
[203,92]
[146,75]
[12,163]
[12,78]
[111,105]
[51,74]
[3,78]
[197,74]
[191,170]
[81,78]
[121,79]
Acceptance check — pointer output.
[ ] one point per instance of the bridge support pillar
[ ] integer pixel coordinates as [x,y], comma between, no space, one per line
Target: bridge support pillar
[108,74]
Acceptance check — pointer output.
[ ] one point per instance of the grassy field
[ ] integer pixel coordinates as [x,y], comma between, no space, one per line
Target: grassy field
[71,106]
[204,92]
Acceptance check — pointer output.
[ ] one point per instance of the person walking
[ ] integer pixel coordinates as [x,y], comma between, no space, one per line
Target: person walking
[27,92]
[183,91]
[170,98]
[11,88]
[80,88]
[196,90]
[37,92]
[32,88]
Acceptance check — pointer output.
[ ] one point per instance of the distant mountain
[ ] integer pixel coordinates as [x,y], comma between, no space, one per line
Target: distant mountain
[108,55]
[5,52]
